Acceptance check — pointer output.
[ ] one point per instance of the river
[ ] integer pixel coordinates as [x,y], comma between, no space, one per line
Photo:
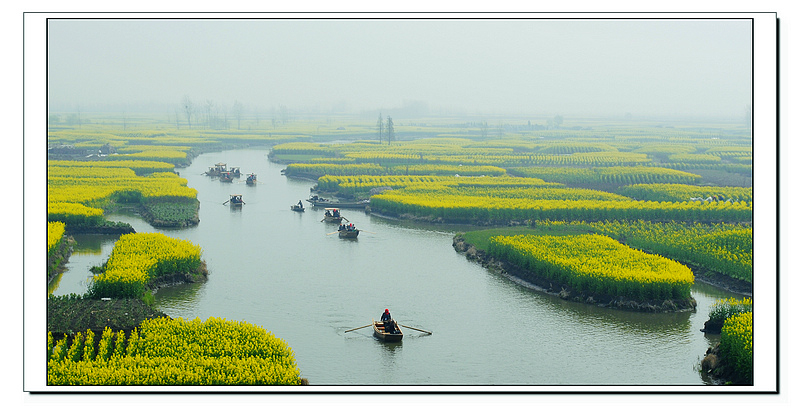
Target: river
[279,269]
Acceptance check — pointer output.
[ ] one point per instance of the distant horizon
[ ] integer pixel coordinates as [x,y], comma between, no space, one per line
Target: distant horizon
[398,115]
[604,67]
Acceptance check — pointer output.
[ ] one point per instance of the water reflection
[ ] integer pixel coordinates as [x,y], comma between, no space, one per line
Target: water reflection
[389,352]
[600,318]
[89,250]
[173,298]
[92,243]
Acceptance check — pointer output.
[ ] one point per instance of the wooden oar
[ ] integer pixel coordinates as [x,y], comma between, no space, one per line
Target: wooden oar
[358,328]
[226,202]
[421,330]
[332,233]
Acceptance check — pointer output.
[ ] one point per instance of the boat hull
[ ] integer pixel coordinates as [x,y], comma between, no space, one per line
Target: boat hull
[378,332]
[348,233]
[338,204]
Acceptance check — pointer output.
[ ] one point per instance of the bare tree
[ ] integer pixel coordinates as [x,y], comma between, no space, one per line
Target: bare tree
[284,113]
[188,109]
[380,128]
[208,107]
[389,130]
[238,110]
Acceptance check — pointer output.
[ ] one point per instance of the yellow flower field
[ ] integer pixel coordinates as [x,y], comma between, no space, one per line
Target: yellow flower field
[138,258]
[176,352]
[596,264]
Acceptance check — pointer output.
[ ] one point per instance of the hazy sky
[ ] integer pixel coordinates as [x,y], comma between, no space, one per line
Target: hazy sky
[571,67]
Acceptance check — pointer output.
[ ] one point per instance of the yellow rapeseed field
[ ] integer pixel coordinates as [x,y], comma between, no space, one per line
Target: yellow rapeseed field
[175,352]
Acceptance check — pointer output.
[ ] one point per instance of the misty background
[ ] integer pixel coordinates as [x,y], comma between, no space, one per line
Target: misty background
[678,68]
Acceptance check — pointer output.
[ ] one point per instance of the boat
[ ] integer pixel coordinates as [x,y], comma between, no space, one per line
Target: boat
[225,177]
[348,231]
[236,200]
[236,172]
[380,332]
[217,169]
[332,215]
[251,179]
[327,203]
[297,208]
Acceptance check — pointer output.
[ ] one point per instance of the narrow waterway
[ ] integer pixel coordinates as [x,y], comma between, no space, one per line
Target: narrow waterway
[280,270]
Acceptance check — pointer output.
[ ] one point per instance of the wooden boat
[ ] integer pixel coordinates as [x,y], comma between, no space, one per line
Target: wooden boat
[225,177]
[235,172]
[327,203]
[251,179]
[380,332]
[236,200]
[297,208]
[316,199]
[332,215]
[348,233]
[217,169]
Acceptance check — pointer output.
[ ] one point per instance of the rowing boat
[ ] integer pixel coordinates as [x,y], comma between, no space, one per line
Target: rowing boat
[332,215]
[348,233]
[380,333]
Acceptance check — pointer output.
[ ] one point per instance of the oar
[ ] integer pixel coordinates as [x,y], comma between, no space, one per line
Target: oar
[421,330]
[358,328]
[332,233]
[226,202]
[365,231]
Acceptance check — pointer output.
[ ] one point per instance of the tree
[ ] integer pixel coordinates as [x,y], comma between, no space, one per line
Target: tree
[284,113]
[188,109]
[380,128]
[73,118]
[208,108]
[389,130]
[238,110]
[555,122]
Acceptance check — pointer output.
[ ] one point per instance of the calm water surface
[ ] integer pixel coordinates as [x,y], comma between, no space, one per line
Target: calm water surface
[278,269]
